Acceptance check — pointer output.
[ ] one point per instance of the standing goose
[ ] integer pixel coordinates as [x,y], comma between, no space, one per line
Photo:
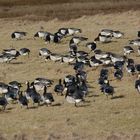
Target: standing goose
[24,52]
[91,45]
[18,35]
[59,88]
[137,84]
[15,84]
[131,69]
[23,100]
[47,97]
[137,68]
[12,94]
[118,74]
[3,102]
[74,96]
[73,48]
[107,89]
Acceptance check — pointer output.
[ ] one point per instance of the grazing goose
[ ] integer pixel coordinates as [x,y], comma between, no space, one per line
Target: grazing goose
[54,57]
[106,32]
[91,45]
[77,40]
[119,65]
[23,100]
[106,61]
[46,81]
[103,38]
[137,84]
[53,37]
[3,88]
[93,62]
[118,74]
[63,31]
[3,102]
[81,53]
[138,33]
[82,59]
[24,52]
[118,34]
[130,69]
[39,86]
[47,97]
[135,42]
[67,59]
[116,57]
[101,54]
[59,88]
[12,52]
[18,35]
[78,66]
[73,31]
[128,50]
[41,34]
[44,52]
[6,58]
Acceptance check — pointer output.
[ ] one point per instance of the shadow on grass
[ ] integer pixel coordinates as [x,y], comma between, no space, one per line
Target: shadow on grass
[118,97]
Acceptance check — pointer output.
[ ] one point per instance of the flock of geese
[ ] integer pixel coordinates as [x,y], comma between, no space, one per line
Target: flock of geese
[73,87]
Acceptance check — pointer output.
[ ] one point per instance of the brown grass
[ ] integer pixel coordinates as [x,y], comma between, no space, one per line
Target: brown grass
[99,118]
[47,10]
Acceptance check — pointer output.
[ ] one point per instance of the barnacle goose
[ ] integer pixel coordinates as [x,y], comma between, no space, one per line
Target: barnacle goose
[18,35]
[59,88]
[47,97]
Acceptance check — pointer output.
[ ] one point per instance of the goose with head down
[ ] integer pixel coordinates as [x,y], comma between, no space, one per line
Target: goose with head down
[18,35]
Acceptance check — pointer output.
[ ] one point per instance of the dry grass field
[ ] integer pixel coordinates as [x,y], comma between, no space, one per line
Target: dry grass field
[97,119]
